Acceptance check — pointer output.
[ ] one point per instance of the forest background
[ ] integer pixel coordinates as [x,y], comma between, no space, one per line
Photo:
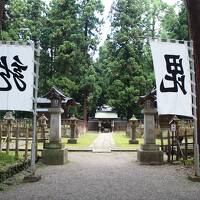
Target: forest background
[69,33]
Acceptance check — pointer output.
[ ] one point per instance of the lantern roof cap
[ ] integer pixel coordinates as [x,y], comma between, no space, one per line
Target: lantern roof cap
[43,117]
[73,118]
[133,118]
[174,119]
[54,93]
[151,95]
[9,116]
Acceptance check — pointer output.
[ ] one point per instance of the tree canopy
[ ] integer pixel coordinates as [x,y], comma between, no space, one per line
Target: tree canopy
[69,33]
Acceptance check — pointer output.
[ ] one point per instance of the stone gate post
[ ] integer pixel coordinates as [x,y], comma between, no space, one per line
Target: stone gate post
[149,152]
[55,152]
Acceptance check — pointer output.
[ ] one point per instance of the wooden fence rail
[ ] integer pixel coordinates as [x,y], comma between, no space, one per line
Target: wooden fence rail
[18,137]
[177,146]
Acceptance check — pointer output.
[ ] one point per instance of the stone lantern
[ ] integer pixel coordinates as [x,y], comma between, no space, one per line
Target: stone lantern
[43,125]
[43,121]
[73,122]
[8,117]
[134,123]
[54,151]
[149,152]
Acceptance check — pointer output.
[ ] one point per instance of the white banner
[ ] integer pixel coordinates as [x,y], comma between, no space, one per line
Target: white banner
[16,77]
[173,82]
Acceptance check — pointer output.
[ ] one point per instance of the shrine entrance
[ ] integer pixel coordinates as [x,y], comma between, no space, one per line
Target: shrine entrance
[106,126]
[106,116]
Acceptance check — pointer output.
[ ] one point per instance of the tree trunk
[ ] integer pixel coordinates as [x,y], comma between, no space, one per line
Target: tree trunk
[193,7]
[2,7]
[85,111]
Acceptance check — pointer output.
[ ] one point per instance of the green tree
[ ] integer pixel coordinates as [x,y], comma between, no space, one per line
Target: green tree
[122,57]
[175,25]
[154,13]
[72,32]
[2,14]
[90,24]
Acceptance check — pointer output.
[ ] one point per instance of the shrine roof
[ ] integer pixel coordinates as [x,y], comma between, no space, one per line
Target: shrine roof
[106,115]
[66,100]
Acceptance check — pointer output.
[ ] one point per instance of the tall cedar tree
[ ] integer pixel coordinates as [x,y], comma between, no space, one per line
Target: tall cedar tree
[193,8]
[123,55]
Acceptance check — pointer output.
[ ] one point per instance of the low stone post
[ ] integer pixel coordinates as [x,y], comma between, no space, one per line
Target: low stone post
[9,118]
[17,142]
[112,126]
[55,152]
[26,141]
[73,122]
[149,152]
[99,126]
[134,123]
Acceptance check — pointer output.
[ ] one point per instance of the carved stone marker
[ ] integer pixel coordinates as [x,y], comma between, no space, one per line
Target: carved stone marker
[149,152]
[54,152]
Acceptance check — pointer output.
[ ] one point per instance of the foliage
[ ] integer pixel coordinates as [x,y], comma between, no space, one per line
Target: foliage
[6,161]
[69,33]
[122,57]
[175,25]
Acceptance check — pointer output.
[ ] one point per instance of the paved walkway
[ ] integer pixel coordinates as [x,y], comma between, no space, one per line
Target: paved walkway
[103,143]
[107,176]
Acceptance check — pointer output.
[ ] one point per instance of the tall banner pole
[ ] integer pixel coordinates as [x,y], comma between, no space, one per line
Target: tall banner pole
[194,106]
[32,177]
[36,76]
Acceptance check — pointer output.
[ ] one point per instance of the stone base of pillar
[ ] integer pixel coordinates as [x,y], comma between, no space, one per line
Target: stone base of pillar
[133,142]
[150,154]
[54,154]
[72,141]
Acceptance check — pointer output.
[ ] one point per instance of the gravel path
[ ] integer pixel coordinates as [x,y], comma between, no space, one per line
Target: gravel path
[103,143]
[111,176]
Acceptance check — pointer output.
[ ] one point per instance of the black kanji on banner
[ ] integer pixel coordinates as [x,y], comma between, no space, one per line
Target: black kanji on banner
[6,74]
[177,77]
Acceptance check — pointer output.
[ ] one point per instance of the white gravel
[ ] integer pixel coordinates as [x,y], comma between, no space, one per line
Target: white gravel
[107,176]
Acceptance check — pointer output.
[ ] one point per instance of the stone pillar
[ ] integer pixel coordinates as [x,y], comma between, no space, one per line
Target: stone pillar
[55,124]
[55,152]
[149,126]
[149,152]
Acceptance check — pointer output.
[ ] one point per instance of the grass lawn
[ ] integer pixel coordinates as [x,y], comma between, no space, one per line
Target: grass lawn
[84,141]
[7,160]
[122,141]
